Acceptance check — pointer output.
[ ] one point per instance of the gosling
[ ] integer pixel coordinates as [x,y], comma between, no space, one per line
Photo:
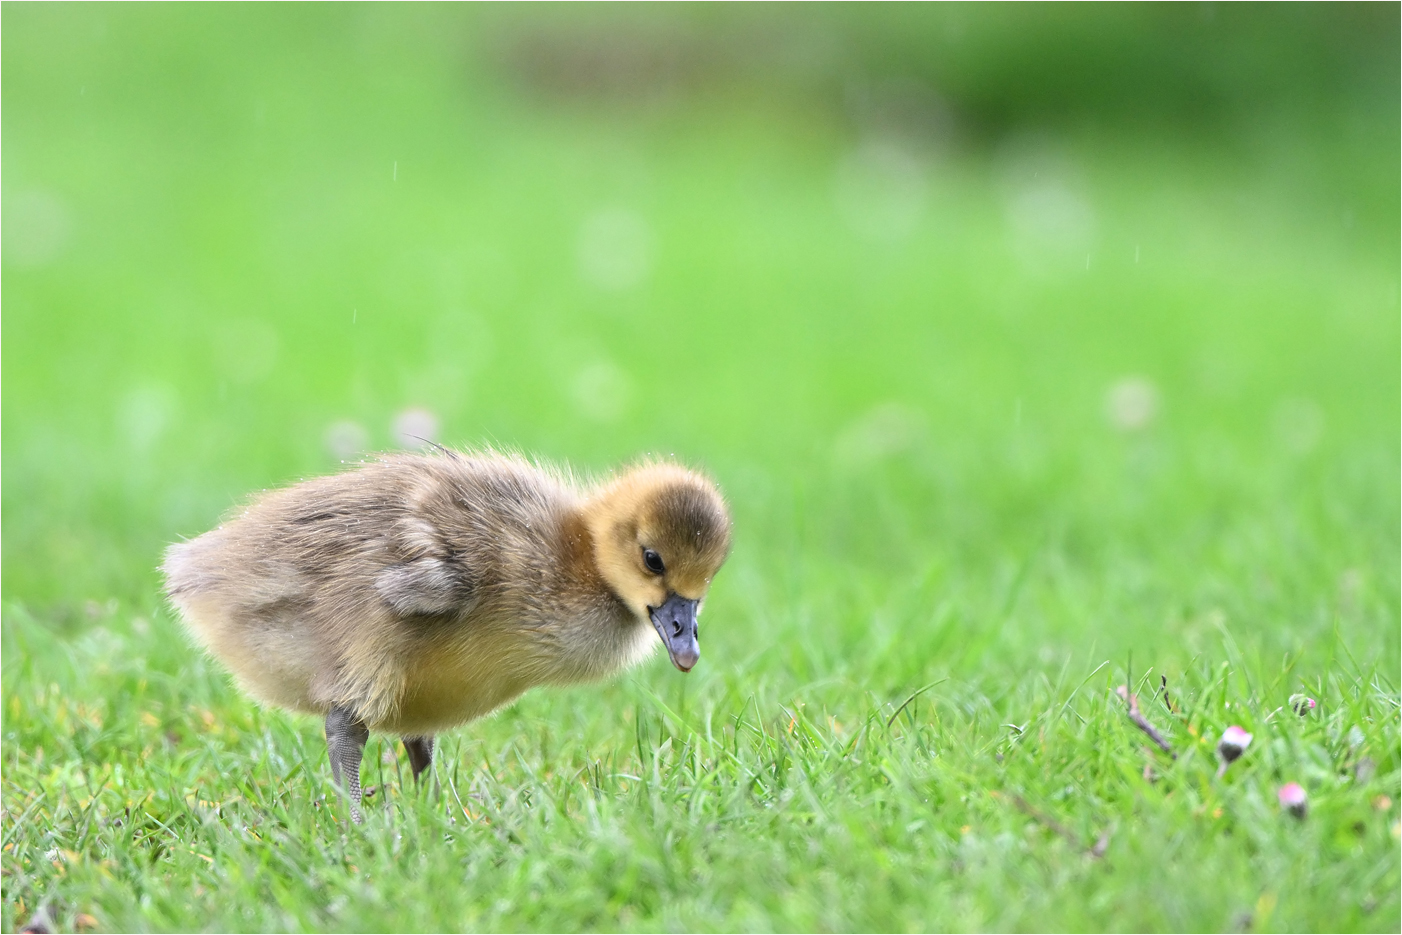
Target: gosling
[415,593]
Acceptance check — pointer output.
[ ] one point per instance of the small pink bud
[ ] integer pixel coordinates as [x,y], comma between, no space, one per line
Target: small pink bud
[1302,704]
[1293,799]
[1233,744]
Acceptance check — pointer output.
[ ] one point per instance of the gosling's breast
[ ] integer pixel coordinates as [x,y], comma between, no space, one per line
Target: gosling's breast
[452,682]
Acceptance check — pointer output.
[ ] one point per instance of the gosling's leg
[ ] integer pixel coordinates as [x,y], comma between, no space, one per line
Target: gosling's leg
[345,741]
[420,750]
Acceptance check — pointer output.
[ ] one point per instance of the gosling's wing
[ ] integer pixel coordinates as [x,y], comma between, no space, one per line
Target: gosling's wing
[423,576]
[422,586]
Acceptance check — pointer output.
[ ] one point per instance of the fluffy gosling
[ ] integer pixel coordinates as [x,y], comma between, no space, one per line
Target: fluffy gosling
[417,592]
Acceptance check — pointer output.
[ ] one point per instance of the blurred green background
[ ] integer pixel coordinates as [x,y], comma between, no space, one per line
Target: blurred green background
[1020,337]
[882,269]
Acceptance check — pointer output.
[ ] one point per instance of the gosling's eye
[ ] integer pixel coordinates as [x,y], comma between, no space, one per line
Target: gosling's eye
[653,561]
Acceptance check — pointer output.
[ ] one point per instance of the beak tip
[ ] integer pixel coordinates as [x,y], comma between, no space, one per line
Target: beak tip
[675,622]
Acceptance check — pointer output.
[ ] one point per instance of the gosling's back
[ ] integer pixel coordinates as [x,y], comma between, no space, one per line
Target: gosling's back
[419,591]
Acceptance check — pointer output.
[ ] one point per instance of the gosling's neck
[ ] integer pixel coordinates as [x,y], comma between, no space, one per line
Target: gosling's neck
[593,634]
[579,561]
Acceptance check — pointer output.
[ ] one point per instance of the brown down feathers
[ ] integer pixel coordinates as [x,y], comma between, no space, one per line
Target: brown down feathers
[422,591]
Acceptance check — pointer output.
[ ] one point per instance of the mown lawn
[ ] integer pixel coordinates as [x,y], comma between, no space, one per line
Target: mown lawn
[1009,414]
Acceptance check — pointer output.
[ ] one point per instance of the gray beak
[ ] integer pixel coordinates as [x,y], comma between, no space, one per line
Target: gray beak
[675,621]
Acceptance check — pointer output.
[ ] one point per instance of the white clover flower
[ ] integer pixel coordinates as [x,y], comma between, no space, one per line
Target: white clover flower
[1293,799]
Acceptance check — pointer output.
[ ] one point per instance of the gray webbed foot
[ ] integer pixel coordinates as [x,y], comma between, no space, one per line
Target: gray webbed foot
[345,742]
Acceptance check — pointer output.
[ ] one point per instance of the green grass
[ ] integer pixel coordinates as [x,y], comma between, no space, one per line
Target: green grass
[227,228]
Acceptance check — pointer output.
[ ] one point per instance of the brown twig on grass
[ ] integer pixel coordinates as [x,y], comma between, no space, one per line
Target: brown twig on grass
[1132,701]
[1096,850]
[1045,820]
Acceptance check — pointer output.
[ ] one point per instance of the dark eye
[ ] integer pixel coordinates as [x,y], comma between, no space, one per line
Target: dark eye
[653,561]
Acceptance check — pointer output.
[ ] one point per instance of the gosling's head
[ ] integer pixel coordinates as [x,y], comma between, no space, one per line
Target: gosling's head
[660,534]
